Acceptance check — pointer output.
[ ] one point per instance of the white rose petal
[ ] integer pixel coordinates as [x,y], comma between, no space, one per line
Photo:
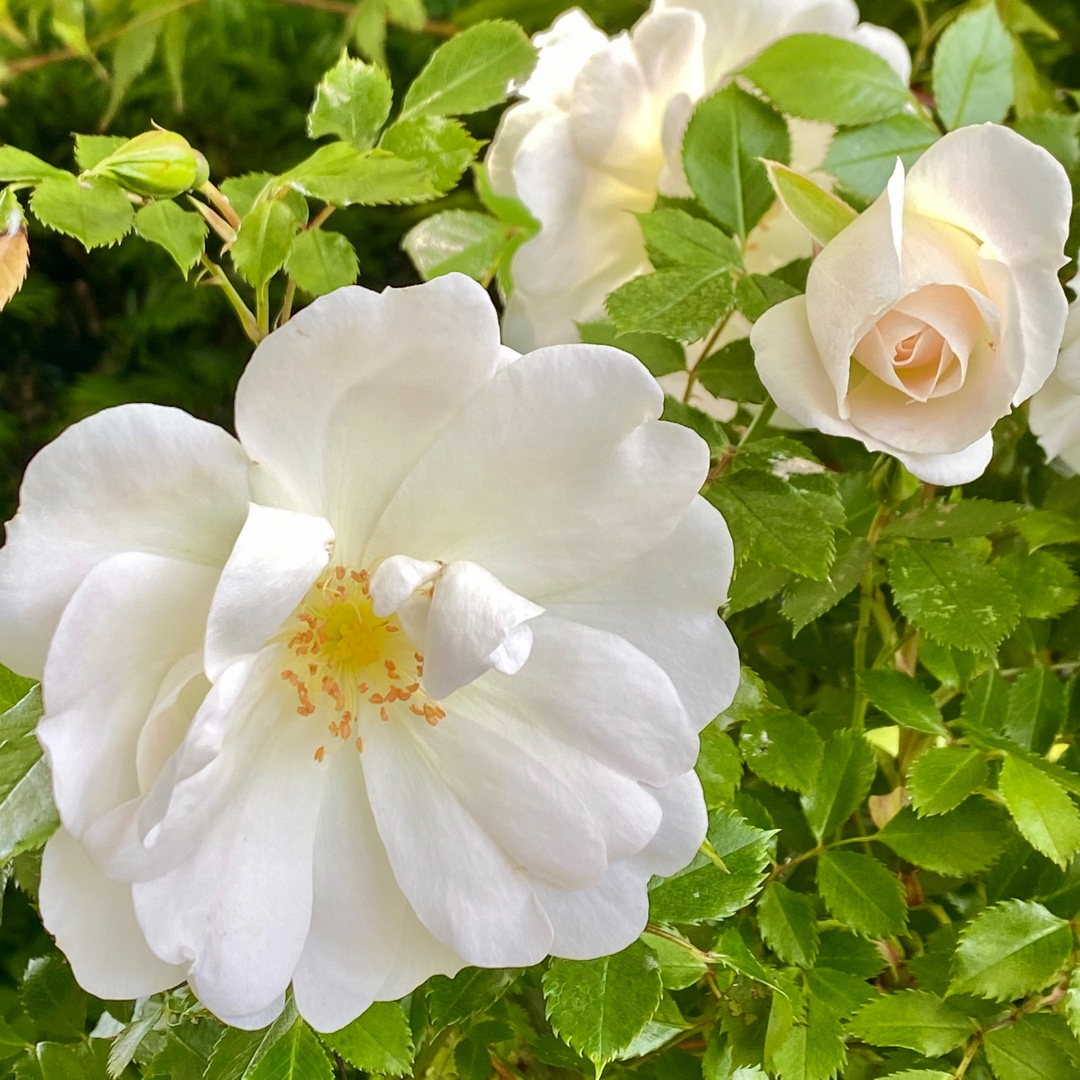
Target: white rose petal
[1054,412]
[933,313]
[409,677]
[598,137]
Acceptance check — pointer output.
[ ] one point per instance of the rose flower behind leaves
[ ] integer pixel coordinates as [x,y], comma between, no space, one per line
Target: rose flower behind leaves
[599,136]
[409,677]
[935,311]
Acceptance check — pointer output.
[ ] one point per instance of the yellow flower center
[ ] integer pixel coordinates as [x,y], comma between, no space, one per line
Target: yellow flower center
[347,665]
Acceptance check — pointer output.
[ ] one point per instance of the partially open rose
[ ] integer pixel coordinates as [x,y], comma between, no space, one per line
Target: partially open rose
[935,311]
[1055,409]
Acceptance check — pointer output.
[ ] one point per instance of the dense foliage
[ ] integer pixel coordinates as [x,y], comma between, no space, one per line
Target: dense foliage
[891,881]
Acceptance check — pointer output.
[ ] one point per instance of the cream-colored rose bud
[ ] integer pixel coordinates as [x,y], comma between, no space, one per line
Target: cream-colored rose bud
[935,312]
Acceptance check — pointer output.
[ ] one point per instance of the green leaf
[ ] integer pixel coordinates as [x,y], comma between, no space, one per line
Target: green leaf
[380,1041]
[683,303]
[352,102]
[458,241]
[18,166]
[789,925]
[913,1018]
[237,1053]
[470,72]
[321,262]
[340,174]
[679,964]
[844,781]
[443,146]
[843,992]
[90,150]
[94,210]
[805,601]
[244,191]
[730,373]
[265,239]
[771,522]
[173,48]
[862,893]
[675,238]
[864,158]
[52,997]
[728,135]
[1011,949]
[960,843]
[1044,584]
[1028,1050]
[756,293]
[1045,815]
[987,700]
[818,77]
[841,951]
[944,777]
[1060,134]
[903,700]
[659,354]
[472,990]
[182,233]
[973,69]
[953,597]
[783,749]
[1036,709]
[599,1006]
[719,767]
[13,688]
[134,50]
[27,815]
[949,520]
[1072,1003]
[735,954]
[126,1044]
[811,1051]
[297,1055]
[820,212]
[705,890]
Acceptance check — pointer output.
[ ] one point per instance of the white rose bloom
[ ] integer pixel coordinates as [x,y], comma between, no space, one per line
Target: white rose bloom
[935,311]
[1054,413]
[599,133]
[407,678]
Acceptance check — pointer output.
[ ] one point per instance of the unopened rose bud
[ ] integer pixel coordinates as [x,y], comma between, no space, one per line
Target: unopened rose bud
[158,164]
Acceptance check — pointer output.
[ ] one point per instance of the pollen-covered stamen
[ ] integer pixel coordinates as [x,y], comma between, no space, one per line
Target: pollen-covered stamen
[348,664]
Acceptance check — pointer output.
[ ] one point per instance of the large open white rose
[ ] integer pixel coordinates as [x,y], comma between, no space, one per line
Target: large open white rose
[407,678]
[599,133]
[1054,412]
[935,311]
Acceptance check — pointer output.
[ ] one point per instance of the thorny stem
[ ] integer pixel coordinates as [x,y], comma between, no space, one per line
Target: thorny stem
[247,320]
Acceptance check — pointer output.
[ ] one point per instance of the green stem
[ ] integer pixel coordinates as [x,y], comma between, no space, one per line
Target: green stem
[247,320]
[691,380]
[756,427]
[262,309]
[867,594]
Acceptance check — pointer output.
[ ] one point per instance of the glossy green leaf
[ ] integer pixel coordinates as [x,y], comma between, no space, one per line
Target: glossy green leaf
[863,158]
[1011,949]
[471,71]
[783,749]
[862,893]
[683,302]
[599,1006]
[719,767]
[915,1019]
[756,293]
[960,843]
[321,261]
[469,992]
[952,520]
[340,174]
[953,597]
[818,77]
[675,238]
[789,925]
[264,241]
[973,69]
[94,210]
[443,146]
[1044,584]
[19,166]
[708,890]
[728,136]
[903,700]
[458,241]
[846,774]
[182,233]
[352,102]
[380,1041]
[820,212]
[1036,709]
[942,778]
[805,601]
[1030,1049]
[1044,813]
[730,373]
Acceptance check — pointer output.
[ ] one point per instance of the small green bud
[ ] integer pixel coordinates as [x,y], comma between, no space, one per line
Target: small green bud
[158,164]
